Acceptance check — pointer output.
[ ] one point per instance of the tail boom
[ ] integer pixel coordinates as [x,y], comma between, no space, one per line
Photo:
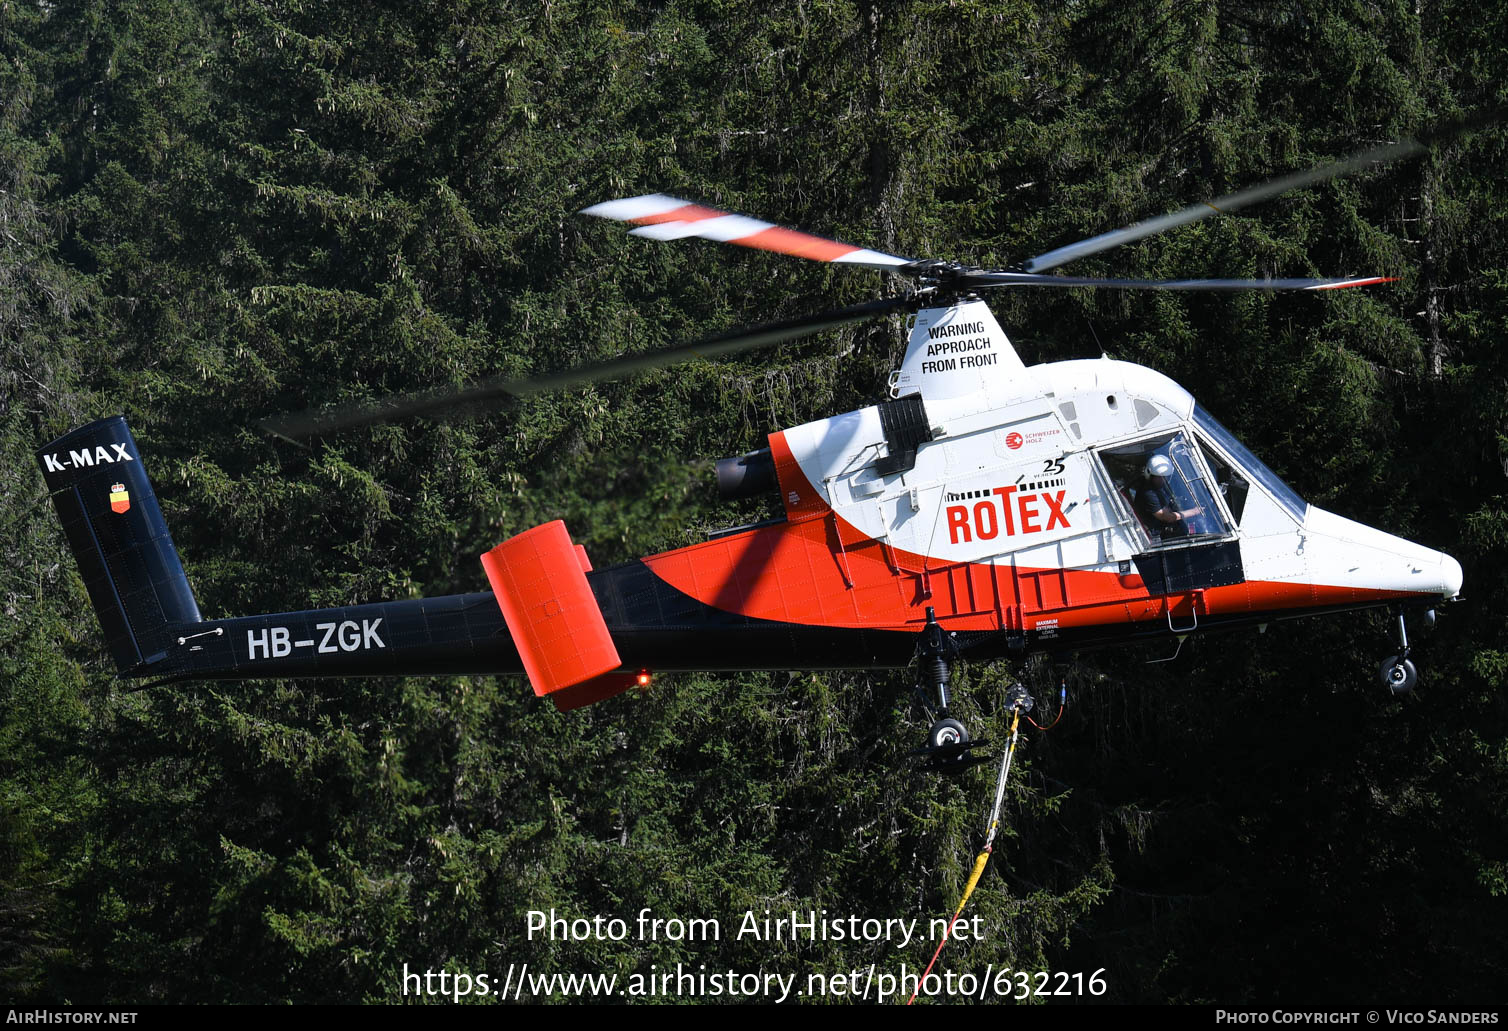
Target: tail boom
[581,635]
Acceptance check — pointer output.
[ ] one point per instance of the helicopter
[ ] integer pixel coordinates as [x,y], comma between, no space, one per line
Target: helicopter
[984,509]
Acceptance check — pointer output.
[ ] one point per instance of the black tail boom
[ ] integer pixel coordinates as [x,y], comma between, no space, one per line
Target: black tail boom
[153,628]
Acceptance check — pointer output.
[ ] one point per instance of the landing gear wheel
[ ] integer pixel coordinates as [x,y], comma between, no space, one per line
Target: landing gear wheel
[947,732]
[1398,674]
[949,748]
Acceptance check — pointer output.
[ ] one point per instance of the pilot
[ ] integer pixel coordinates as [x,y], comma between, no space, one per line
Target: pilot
[1157,502]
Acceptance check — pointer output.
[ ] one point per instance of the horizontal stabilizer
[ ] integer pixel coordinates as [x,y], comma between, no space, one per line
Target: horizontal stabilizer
[552,614]
[594,690]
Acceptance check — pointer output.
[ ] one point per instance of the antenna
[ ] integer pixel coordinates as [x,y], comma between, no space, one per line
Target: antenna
[1090,323]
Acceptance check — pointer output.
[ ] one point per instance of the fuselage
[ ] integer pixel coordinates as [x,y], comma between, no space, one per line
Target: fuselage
[1060,506]
[1023,518]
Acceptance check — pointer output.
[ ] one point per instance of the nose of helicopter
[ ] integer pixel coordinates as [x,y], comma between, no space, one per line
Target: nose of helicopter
[1365,557]
[1451,571]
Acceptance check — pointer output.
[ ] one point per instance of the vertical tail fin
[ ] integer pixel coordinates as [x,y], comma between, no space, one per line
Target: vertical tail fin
[120,541]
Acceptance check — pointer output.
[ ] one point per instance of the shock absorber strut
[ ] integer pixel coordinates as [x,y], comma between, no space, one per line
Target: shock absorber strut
[948,742]
[933,652]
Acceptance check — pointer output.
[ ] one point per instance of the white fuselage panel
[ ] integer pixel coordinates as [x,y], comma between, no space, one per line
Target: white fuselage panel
[1020,482]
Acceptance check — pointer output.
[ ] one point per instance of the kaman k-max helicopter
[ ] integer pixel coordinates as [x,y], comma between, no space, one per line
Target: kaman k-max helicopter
[985,508]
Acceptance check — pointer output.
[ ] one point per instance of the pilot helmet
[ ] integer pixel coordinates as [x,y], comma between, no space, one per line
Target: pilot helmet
[1159,465]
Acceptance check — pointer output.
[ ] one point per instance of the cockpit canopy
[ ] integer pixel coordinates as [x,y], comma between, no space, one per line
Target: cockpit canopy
[1184,487]
[1226,441]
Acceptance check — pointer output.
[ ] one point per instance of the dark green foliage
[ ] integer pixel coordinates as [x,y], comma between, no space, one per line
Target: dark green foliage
[213,212]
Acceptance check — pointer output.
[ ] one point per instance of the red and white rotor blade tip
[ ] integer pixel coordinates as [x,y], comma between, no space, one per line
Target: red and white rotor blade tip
[669,218]
[1343,284]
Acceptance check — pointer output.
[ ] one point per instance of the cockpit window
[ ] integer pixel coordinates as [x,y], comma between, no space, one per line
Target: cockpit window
[1229,481]
[1164,483]
[1285,495]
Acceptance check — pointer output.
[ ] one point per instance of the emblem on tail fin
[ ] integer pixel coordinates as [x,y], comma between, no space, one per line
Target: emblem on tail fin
[120,499]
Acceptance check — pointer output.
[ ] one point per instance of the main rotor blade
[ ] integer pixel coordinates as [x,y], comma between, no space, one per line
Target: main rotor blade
[1253,194]
[449,403]
[986,280]
[659,217]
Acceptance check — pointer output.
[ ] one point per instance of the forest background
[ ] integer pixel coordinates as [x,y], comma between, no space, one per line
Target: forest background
[213,211]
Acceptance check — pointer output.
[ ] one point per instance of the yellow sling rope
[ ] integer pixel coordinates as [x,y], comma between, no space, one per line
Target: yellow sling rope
[984,857]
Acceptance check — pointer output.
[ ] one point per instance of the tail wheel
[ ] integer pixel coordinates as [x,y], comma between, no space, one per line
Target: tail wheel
[1398,674]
